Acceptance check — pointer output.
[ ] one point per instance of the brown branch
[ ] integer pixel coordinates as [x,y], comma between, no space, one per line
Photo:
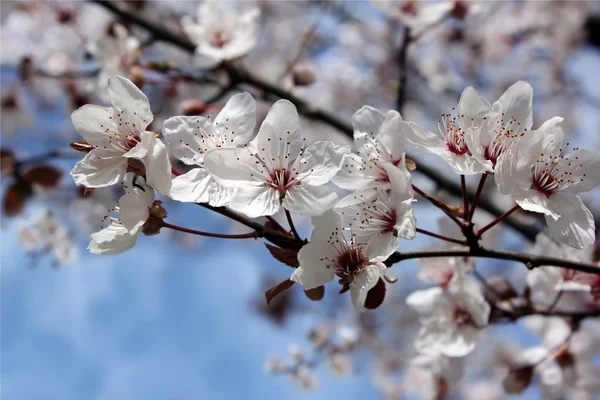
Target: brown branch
[310,111]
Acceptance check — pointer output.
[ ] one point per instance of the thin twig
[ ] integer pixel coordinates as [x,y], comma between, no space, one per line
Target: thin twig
[495,221]
[441,237]
[477,196]
[465,197]
[248,235]
[288,215]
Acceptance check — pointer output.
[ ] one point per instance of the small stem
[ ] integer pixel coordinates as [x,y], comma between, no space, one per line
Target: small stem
[288,215]
[477,196]
[210,234]
[277,225]
[442,205]
[463,184]
[495,221]
[441,237]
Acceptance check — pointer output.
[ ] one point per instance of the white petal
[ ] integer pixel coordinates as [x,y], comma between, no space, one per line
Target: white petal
[279,135]
[367,121]
[309,200]
[233,167]
[390,134]
[325,226]
[320,162]
[513,172]
[363,282]
[400,180]
[472,108]
[351,175]
[140,150]
[575,227]
[99,169]
[382,245]
[255,201]
[133,212]
[112,240]
[92,121]
[189,138]
[360,196]
[425,301]
[552,135]
[313,270]
[126,97]
[158,165]
[426,140]
[516,103]
[461,342]
[237,119]
[191,186]
[585,162]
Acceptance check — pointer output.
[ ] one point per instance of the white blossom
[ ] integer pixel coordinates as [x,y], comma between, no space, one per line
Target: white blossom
[134,209]
[276,169]
[385,218]
[330,253]
[189,138]
[451,318]
[542,179]
[451,144]
[118,134]
[221,34]
[378,138]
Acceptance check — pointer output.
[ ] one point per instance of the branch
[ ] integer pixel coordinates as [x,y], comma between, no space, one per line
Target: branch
[530,260]
[402,75]
[310,111]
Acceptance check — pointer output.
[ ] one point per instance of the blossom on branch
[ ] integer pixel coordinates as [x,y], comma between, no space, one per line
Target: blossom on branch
[277,170]
[330,253]
[220,34]
[451,318]
[189,138]
[542,179]
[119,134]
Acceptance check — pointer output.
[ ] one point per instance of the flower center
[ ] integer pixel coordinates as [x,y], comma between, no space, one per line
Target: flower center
[552,173]
[350,260]
[462,317]
[453,134]
[504,136]
[219,39]
[281,179]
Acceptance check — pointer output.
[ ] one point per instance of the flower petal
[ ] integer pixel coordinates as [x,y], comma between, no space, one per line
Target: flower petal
[363,282]
[313,270]
[193,186]
[575,227]
[133,210]
[516,103]
[234,167]
[187,138]
[320,162]
[279,139]
[129,102]
[255,201]
[309,200]
[92,123]
[586,167]
[237,119]
[158,165]
[99,169]
[112,240]
[351,174]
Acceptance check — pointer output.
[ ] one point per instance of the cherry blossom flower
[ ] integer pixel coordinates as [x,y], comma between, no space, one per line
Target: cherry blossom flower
[509,118]
[542,179]
[134,210]
[564,360]
[451,143]
[276,170]
[119,134]
[378,138]
[221,34]
[385,218]
[451,318]
[189,138]
[330,253]
[440,374]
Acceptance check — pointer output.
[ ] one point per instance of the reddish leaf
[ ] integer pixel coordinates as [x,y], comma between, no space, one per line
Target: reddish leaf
[285,256]
[7,161]
[43,175]
[15,198]
[376,295]
[315,294]
[278,289]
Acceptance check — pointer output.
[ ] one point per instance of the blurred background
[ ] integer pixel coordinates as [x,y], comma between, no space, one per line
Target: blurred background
[181,317]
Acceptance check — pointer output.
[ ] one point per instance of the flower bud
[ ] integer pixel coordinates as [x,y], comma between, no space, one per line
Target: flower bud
[157,210]
[152,226]
[315,294]
[193,107]
[137,77]
[518,379]
[303,74]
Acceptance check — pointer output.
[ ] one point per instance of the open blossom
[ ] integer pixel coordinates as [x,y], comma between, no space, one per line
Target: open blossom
[509,118]
[385,218]
[276,170]
[330,253]
[451,318]
[542,179]
[451,143]
[221,34]
[564,360]
[134,210]
[119,134]
[189,138]
[378,138]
